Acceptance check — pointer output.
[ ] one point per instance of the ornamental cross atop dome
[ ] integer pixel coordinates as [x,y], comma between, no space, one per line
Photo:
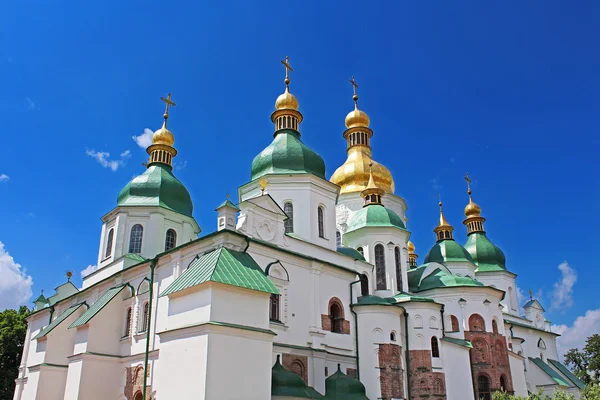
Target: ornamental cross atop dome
[468,183]
[169,103]
[354,86]
[288,68]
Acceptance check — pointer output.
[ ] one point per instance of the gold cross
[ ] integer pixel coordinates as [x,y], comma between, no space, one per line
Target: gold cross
[354,86]
[169,103]
[288,67]
[530,294]
[468,184]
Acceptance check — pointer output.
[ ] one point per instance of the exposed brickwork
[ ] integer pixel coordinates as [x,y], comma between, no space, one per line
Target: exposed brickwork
[297,364]
[351,372]
[326,318]
[134,382]
[326,324]
[390,371]
[489,357]
[424,383]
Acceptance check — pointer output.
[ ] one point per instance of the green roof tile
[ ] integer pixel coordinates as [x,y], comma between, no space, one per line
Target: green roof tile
[549,371]
[227,203]
[340,386]
[64,315]
[285,383]
[372,216]
[224,266]
[565,371]
[98,305]
[460,342]
[486,255]
[437,279]
[350,252]
[447,251]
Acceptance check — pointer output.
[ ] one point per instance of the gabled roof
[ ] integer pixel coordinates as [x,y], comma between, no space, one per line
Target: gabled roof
[227,203]
[549,371]
[225,266]
[565,371]
[534,302]
[65,314]
[508,321]
[266,202]
[98,305]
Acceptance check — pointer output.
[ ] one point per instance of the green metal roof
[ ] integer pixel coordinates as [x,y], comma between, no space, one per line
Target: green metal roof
[135,257]
[565,371]
[486,255]
[447,251]
[460,342]
[64,315]
[225,266]
[285,383]
[350,252]
[403,297]
[340,386]
[287,155]
[372,300]
[315,395]
[549,371]
[533,302]
[437,279]
[98,305]
[508,321]
[374,215]
[227,203]
[157,186]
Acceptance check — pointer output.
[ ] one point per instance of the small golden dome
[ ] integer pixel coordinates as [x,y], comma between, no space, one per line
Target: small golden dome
[472,209]
[286,101]
[411,247]
[357,118]
[163,136]
[353,175]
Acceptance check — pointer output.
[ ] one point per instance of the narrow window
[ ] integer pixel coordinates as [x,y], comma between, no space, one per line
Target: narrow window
[483,388]
[338,239]
[170,239]
[321,223]
[109,242]
[135,239]
[364,285]
[128,322]
[288,208]
[393,336]
[398,269]
[361,251]
[274,308]
[144,322]
[494,327]
[454,322]
[380,267]
[435,348]
[503,383]
[337,319]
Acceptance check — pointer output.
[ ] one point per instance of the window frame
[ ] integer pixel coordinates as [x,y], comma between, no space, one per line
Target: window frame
[128,321]
[109,242]
[398,269]
[288,224]
[275,300]
[435,347]
[380,273]
[174,244]
[321,221]
[132,244]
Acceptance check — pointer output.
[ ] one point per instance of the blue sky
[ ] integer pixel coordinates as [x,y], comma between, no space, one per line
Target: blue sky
[507,91]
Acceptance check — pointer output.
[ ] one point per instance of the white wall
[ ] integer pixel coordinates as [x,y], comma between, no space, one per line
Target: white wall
[459,385]
[517,372]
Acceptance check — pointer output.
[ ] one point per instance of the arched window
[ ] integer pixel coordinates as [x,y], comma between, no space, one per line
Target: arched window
[288,208]
[438,387]
[135,239]
[364,285]
[138,396]
[128,321]
[321,222]
[337,318]
[361,251]
[541,344]
[170,239]
[109,242]
[398,269]
[435,348]
[274,308]
[454,322]
[503,383]
[380,267]
[144,321]
[476,323]
[494,327]
[483,388]
[338,239]
[393,336]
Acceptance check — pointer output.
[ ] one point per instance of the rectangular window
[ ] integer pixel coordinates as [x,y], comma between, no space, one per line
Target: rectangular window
[274,308]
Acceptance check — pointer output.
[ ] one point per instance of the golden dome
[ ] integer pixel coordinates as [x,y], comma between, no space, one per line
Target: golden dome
[411,247]
[353,175]
[472,209]
[163,136]
[286,101]
[357,118]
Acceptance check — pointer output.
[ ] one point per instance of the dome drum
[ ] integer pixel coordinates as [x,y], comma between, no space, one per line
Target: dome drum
[161,153]
[358,136]
[286,119]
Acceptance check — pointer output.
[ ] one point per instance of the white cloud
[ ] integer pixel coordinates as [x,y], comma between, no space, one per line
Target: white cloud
[145,139]
[4,178]
[104,158]
[30,103]
[562,294]
[180,165]
[523,297]
[88,270]
[574,336]
[15,284]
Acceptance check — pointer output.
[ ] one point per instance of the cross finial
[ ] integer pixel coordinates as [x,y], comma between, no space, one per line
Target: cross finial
[228,196]
[42,291]
[263,186]
[440,201]
[530,294]
[288,68]
[468,184]
[69,275]
[169,103]
[354,86]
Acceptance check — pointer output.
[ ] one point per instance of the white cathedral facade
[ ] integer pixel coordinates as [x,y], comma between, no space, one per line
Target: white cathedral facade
[309,288]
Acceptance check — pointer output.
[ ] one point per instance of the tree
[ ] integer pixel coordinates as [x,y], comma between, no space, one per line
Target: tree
[586,364]
[12,337]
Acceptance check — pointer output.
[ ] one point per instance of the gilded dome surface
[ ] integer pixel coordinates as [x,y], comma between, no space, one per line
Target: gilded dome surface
[472,210]
[356,118]
[353,175]
[286,101]
[163,136]
[411,247]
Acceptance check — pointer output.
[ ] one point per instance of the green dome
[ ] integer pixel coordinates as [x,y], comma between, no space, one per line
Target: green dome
[350,252]
[285,383]
[374,215]
[485,254]
[157,186]
[437,279]
[447,251]
[287,155]
[340,386]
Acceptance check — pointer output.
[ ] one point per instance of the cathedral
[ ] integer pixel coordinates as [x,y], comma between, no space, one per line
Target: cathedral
[308,288]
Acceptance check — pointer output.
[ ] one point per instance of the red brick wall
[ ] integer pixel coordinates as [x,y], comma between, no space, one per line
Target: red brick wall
[390,371]
[351,372]
[425,383]
[297,364]
[489,357]
[326,324]
[134,382]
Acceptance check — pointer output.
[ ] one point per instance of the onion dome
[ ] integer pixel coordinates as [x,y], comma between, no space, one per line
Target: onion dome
[287,154]
[161,150]
[412,256]
[350,252]
[353,175]
[446,249]
[285,383]
[340,386]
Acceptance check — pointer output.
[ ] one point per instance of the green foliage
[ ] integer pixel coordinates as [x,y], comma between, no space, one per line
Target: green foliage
[591,392]
[586,364]
[12,336]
